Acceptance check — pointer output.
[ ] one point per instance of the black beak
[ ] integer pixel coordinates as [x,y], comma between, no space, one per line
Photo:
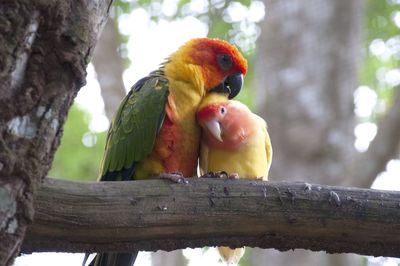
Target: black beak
[231,85]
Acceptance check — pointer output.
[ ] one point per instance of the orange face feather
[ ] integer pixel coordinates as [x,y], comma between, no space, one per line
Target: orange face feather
[205,52]
[217,59]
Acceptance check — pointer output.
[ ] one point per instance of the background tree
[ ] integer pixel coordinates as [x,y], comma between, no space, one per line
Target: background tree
[306,75]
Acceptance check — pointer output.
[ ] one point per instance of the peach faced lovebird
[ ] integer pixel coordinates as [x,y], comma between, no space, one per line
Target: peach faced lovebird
[154,130]
[236,141]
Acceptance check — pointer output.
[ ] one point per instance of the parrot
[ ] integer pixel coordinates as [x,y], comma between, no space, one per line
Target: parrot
[235,141]
[154,131]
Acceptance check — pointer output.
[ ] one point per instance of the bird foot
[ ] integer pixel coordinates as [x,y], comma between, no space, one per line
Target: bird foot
[175,177]
[219,174]
[234,176]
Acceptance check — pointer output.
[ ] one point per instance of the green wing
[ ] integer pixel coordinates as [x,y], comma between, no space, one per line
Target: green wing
[135,126]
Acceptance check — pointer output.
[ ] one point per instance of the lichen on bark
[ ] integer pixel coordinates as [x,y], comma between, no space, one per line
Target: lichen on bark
[45,49]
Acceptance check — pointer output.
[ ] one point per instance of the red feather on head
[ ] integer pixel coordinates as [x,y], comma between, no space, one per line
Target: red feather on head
[204,52]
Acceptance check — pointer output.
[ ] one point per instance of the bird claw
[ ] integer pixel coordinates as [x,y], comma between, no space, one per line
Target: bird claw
[234,176]
[219,174]
[175,177]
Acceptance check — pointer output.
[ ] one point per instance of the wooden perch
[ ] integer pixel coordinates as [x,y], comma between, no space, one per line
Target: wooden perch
[158,214]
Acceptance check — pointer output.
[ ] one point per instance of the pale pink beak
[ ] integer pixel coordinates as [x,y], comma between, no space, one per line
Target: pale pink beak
[215,129]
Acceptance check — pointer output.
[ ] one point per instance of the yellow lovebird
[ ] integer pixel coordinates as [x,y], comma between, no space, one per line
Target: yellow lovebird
[236,141]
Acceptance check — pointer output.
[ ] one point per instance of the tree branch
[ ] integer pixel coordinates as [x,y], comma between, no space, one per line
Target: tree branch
[383,148]
[157,214]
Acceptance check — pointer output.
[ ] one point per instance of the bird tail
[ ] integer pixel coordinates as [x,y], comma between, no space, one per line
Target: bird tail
[231,256]
[112,259]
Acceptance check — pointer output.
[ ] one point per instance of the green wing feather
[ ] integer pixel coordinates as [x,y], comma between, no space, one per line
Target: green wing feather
[135,126]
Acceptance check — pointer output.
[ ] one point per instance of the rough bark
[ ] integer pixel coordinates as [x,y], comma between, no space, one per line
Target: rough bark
[306,72]
[157,214]
[109,69]
[45,47]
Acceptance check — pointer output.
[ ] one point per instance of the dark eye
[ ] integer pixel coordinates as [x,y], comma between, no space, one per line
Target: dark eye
[224,61]
[222,110]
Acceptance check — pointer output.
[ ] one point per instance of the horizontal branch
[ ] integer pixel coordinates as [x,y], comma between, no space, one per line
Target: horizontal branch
[158,214]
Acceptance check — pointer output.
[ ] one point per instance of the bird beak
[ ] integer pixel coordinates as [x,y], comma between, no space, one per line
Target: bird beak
[231,85]
[215,129]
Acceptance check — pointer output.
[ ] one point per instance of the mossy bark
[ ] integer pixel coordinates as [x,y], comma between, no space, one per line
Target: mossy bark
[45,47]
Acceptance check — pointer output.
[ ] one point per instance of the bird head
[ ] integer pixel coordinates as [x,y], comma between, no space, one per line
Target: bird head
[226,124]
[210,114]
[222,65]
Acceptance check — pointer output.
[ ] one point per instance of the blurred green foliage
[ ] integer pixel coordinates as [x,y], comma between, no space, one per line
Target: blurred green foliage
[381,47]
[73,159]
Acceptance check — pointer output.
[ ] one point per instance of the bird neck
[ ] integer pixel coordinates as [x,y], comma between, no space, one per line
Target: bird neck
[186,88]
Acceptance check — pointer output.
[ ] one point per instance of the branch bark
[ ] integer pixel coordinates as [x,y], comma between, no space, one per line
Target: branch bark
[156,214]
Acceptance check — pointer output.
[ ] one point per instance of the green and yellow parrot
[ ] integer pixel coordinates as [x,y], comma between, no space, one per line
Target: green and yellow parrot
[235,141]
[154,130]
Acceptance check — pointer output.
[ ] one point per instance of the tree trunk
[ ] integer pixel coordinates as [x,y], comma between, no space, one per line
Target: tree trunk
[109,69]
[45,47]
[306,75]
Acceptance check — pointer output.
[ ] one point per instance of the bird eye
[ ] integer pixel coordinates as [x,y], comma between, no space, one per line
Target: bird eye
[222,110]
[224,61]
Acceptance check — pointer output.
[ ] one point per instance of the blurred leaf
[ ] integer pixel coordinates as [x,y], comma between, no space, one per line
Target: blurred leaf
[124,6]
[379,27]
[73,160]
[143,2]
[245,2]
[181,3]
